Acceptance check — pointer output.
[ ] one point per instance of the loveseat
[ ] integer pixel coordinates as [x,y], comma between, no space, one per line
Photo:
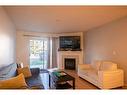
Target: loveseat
[33,81]
[103,74]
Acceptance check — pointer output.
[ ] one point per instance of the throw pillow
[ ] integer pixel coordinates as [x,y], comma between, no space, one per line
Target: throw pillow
[14,83]
[26,71]
[107,65]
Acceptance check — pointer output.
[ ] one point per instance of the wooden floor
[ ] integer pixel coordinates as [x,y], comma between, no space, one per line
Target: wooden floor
[79,82]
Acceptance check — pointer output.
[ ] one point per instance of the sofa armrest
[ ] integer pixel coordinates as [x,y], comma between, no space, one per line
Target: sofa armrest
[110,73]
[35,71]
[84,66]
[111,78]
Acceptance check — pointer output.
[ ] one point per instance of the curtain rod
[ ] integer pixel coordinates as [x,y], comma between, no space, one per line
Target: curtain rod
[37,36]
[32,36]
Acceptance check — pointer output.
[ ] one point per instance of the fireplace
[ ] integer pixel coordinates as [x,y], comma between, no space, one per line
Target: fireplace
[70,63]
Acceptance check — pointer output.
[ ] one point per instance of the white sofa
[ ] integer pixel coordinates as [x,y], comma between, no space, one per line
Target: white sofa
[102,74]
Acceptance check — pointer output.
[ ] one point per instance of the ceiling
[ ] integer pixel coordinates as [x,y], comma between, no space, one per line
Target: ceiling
[63,18]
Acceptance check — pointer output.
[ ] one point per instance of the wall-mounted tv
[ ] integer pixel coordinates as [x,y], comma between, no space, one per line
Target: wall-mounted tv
[69,43]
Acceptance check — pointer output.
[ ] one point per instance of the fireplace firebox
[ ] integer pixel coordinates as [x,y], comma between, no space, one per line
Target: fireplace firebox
[70,63]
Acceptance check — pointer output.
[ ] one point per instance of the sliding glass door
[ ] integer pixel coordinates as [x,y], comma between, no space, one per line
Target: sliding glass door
[39,52]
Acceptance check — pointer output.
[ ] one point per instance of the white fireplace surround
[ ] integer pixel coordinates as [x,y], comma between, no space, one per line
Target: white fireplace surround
[69,54]
[78,55]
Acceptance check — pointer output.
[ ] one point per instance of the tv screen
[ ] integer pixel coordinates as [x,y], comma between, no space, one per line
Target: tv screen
[70,42]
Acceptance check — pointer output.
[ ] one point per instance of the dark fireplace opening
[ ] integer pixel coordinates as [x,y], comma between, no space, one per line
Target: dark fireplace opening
[70,63]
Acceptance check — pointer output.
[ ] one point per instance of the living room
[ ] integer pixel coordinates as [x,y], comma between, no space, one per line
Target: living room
[84,46]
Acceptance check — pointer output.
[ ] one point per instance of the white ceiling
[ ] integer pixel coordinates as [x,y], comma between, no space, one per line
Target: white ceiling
[63,18]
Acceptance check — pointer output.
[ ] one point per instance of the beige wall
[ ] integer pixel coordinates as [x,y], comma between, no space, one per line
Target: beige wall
[7,39]
[108,42]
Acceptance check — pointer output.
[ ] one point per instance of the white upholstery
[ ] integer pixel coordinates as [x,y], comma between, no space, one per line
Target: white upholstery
[108,66]
[104,75]
[96,64]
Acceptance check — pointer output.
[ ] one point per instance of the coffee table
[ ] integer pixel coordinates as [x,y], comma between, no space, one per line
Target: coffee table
[61,82]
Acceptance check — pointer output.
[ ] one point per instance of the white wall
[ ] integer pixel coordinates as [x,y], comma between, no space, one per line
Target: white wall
[7,39]
[108,42]
[22,45]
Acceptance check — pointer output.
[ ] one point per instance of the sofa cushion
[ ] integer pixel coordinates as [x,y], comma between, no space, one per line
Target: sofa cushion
[26,71]
[14,82]
[83,71]
[8,71]
[35,71]
[96,64]
[106,65]
[35,80]
[93,74]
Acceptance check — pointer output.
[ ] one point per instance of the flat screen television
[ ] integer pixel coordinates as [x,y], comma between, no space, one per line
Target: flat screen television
[69,43]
